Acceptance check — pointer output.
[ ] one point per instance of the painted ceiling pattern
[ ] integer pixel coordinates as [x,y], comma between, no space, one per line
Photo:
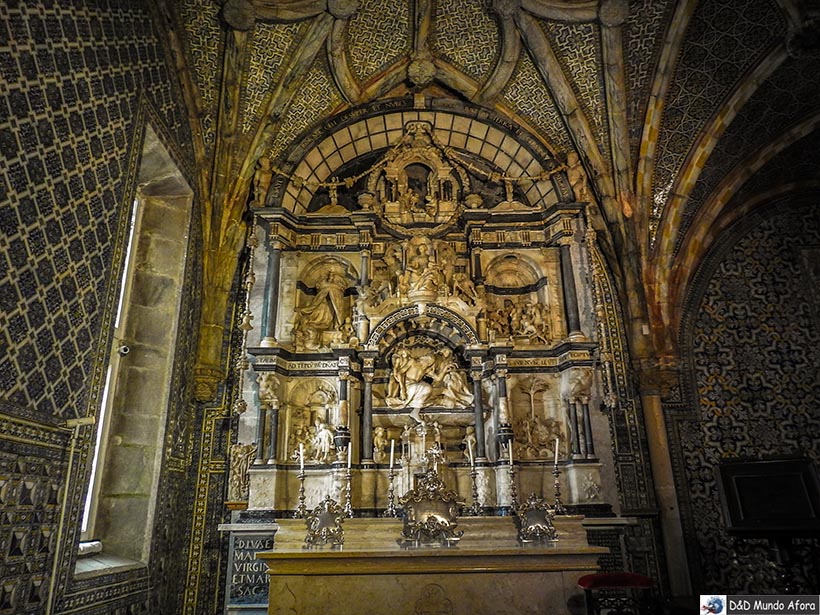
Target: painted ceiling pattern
[642,90]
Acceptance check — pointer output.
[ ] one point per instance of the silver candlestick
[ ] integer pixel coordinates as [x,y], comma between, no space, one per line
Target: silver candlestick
[391,511]
[475,509]
[558,507]
[301,510]
[348,508]
[513,490]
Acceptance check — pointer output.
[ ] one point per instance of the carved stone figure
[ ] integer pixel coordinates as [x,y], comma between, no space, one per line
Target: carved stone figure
[379,444]
[578,178]
[268,384]
[469,441]
[463,288]
[422,376]
[241,457]
[261,180]
[323,442]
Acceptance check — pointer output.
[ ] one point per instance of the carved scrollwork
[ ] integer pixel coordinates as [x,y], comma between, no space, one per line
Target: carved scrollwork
[430,514]
[534,521]
[324,524]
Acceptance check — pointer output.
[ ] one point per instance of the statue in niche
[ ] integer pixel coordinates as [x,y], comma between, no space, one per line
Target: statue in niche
[326,310]
[323,442]
[423,376]
[423,274]
[241,457]
[379,444]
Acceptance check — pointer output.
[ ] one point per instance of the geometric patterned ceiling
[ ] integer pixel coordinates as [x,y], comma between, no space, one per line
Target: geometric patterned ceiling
[661,99]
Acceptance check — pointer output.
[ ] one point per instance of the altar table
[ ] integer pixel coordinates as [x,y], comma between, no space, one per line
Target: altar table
[487,573]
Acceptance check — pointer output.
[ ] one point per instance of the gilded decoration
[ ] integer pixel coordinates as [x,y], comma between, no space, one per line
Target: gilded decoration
[417,189]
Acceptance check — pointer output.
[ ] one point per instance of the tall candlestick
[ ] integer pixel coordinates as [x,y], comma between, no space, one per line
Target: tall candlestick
[349,455]
[470,452]
[556,451]
[392,451]
[301,457]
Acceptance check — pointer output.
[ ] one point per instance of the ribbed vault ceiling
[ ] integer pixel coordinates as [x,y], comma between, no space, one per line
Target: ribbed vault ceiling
[661,99]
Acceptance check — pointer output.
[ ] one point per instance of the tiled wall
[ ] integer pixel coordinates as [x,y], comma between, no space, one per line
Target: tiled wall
[753,349]
[77,83]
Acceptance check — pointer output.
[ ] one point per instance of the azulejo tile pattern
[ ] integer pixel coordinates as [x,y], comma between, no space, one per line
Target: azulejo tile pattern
[527,94]
[318,95]
[643,30]
[73,76]
[578,48]
[723,40]
[271,44]
[466,35]
[205,40]
[754,347]
[786,97]
[377,38]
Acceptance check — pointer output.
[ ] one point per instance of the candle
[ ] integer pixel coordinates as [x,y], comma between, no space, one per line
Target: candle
[470,453]
[301,457]
[392,450]
[510,448]
[349,455]
[556,451]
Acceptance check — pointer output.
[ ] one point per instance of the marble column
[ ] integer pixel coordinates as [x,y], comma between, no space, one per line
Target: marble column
[271,295]
[273,431]
[478,413]
[367,418]
[590,445]
[342,419]
[478,276]
[573,425]
[570,295]
[260,434]
[364,274]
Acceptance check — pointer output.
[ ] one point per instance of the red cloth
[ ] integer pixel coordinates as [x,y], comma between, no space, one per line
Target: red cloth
[615,580]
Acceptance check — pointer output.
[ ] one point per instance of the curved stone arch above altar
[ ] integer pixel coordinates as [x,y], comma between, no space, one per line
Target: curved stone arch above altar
[327,149]
[442,322]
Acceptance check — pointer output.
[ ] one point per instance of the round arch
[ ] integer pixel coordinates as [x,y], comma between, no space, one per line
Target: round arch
[508,149]
[439,321]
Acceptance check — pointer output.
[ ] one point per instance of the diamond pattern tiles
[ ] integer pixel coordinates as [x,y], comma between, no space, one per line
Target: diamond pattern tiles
[724,39]
[29,506]
[70,90]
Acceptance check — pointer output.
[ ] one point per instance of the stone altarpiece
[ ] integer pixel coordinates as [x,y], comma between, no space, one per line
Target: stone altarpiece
[428,315]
